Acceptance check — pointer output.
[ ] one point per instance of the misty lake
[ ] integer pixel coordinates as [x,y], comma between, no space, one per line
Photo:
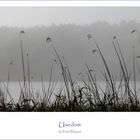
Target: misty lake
[38,88]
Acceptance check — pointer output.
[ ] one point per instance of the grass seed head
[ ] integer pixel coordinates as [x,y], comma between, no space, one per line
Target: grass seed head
[138,57]
[133,31]
[89,36]
[95,50]
[114,37]
[48,40]
[22,32]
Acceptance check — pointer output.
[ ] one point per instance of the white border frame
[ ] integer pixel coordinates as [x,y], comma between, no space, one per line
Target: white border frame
[69,3]
[45,125]
[93,125]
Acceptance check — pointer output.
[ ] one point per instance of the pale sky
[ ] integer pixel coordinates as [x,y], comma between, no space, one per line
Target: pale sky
[32,16]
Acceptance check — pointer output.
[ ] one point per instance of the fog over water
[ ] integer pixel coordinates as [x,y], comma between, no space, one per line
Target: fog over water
[68,28]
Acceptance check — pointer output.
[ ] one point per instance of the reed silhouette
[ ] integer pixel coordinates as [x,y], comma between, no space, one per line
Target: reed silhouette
[74,96]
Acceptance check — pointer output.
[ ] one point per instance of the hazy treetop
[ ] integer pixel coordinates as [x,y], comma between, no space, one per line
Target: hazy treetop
[32,16]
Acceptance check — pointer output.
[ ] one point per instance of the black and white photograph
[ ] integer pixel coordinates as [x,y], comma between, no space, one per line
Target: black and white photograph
[70,59]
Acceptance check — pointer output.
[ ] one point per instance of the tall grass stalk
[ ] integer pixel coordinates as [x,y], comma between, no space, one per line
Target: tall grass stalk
[22,56]
[106,66]
[123,69]
[64,74]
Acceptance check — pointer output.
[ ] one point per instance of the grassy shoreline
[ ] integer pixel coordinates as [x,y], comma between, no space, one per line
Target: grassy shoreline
[89,97]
